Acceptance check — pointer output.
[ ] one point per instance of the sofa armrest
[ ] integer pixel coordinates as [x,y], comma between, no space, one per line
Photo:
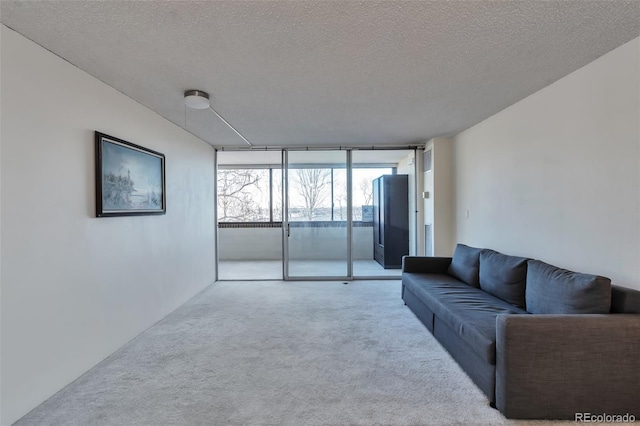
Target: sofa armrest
[554,366]
[427,265]
[625,300]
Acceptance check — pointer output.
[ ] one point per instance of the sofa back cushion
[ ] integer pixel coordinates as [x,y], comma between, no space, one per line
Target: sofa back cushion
[552,290]
[504,276]
[465,263]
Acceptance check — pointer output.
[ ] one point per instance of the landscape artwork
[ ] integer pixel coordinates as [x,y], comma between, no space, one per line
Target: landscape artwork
[129,179]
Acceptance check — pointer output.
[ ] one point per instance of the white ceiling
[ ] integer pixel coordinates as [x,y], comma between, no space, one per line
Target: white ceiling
[340,73]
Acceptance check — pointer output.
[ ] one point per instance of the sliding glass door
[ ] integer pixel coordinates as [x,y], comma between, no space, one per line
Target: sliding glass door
[317,219]
[299,214]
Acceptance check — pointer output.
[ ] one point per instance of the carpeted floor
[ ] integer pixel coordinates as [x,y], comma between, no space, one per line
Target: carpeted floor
[278,353]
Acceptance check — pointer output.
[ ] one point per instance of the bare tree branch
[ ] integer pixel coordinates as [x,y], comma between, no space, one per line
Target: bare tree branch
[366,187]
[313,185]
[236,189]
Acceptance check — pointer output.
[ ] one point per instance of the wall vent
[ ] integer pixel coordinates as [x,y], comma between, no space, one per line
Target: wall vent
[426,163]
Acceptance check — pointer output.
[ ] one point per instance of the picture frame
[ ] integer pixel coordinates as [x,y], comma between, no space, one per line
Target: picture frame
[130,179]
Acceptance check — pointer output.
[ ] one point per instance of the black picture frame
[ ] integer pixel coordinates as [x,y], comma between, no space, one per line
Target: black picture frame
[130,179]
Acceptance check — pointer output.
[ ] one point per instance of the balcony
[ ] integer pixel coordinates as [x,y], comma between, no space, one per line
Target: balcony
[317,248]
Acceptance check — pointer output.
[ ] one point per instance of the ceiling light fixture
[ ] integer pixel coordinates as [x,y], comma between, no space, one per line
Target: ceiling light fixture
[197,99]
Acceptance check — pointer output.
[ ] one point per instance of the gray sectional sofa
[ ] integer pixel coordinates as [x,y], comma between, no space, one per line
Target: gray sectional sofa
[541,342]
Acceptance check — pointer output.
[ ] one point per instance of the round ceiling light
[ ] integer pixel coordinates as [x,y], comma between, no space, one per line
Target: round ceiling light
[196,99]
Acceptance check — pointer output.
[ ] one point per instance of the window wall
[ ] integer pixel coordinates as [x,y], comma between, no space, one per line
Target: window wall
[368,166]
[250,210]
[249,194]
[317,194]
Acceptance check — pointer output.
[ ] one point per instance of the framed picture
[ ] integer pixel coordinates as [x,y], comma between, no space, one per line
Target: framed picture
[130,179]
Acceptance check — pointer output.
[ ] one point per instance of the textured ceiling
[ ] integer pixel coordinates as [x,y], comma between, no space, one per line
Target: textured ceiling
[344,73]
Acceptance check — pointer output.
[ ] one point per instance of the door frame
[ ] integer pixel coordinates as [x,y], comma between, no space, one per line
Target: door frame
[286,229]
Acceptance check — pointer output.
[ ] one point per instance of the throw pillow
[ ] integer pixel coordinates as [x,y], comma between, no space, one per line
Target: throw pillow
[465,263]
[504,276]
[552,290]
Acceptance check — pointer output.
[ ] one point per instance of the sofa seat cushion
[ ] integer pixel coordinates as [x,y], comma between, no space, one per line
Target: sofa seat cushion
[469,311]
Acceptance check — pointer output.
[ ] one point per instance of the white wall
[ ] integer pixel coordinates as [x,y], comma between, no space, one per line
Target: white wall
[557,175]
[438,207]
[250,243]
[304,243]
[74,287]
[408,167]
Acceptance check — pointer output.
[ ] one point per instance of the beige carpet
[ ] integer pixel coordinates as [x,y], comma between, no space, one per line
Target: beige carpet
[278,353]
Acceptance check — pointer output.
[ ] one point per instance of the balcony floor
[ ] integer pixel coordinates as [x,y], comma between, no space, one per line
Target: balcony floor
[272,269]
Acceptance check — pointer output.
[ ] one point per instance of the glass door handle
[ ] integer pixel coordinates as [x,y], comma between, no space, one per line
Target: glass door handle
[288,230]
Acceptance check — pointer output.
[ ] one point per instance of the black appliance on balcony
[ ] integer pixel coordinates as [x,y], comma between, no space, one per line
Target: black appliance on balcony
[390,220]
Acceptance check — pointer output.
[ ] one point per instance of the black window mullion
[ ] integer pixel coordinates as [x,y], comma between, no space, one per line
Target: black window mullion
[270,195]
[332,200]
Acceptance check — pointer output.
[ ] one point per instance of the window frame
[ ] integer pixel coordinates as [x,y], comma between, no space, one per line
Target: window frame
[270,222]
